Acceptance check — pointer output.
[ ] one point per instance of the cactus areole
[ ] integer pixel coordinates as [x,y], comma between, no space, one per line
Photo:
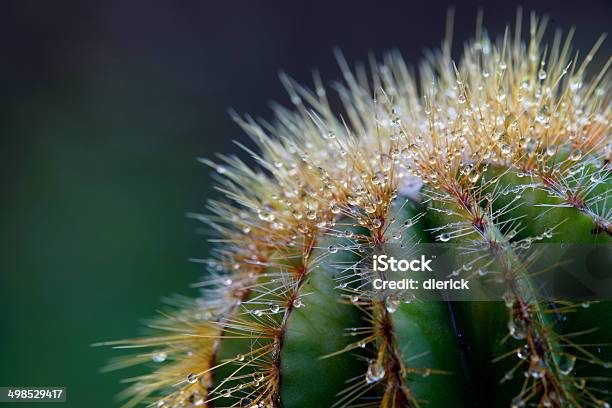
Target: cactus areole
[389,253]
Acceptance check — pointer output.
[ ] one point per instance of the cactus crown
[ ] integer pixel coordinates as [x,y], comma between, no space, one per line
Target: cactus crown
[329,184]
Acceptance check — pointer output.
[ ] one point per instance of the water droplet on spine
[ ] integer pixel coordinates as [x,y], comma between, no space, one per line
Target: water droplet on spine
[192,378]
[566,364]
[517,329]
[506,149]
[376,372]
[391,303]
[159,357]
[196,399]
[542,74]
[575,155]
[445,237]
[508,298]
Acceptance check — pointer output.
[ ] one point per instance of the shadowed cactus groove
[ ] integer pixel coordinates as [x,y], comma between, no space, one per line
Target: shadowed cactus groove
[505,147]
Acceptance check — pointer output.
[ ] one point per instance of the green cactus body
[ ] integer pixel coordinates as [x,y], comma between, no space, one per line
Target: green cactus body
[507,148]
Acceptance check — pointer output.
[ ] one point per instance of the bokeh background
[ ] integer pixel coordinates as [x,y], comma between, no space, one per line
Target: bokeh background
[104,108]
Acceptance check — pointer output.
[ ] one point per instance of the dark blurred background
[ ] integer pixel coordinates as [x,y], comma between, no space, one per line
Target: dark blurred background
[105,107]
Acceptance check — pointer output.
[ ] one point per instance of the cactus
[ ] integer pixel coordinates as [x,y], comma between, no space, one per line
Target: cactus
[507,147]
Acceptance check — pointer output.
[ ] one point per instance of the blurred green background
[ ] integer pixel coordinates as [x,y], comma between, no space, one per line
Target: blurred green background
[105,107]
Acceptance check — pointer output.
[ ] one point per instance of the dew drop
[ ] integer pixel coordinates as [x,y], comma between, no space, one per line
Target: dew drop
[542,74]
[245,402]
[522,353]
[391,303]
[376,180]
[506,149]
[376,372]
[192,378]
[508,299]
[575,155]
[159,357]
[445,237]
[517,329]
[274,308]
[239,357]
[297,303]
[566,364]
[332,249]
[376,223]
[474,177]
[196,399]
[397,235]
